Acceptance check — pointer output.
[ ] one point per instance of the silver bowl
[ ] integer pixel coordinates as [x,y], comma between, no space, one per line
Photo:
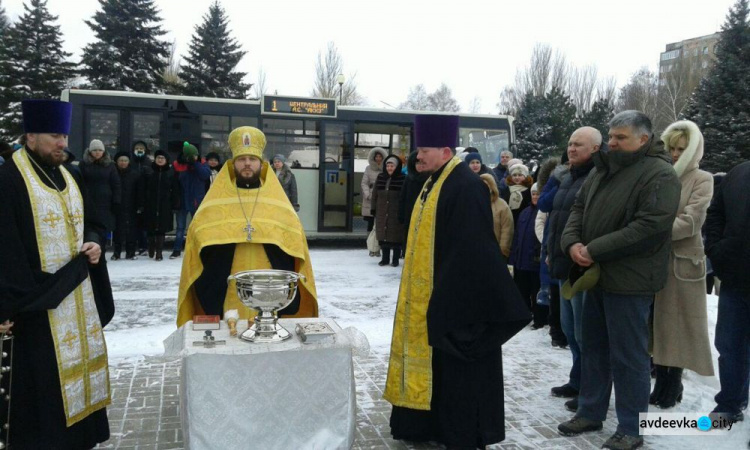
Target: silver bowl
[266,291]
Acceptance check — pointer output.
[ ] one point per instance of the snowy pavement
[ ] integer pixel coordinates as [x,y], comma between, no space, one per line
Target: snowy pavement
[355,291]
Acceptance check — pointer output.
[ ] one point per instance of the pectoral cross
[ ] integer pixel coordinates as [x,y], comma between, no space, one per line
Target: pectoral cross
[249,229]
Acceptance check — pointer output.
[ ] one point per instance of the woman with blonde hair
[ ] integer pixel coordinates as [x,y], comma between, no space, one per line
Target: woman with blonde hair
[680,328]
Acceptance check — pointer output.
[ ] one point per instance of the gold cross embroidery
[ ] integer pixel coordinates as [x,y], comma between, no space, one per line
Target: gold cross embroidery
[52,218]
[77,216]
[95,329]
[69,339]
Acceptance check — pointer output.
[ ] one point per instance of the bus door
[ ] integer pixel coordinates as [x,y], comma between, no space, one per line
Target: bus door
[336,174]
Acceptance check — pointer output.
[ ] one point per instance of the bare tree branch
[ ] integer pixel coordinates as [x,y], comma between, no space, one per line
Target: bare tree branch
[260,86]
[328,67]
[416,99]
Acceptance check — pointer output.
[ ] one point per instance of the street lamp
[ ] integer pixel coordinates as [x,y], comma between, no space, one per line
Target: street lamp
[340,80]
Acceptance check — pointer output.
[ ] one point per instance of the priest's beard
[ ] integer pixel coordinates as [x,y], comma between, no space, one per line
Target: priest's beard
[252,181]
[50,159]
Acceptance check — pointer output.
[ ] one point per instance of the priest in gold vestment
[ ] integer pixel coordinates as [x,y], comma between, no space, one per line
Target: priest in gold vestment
[457,305]
[245,222]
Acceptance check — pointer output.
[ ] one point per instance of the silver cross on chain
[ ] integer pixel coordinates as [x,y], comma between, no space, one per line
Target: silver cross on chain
[249,229]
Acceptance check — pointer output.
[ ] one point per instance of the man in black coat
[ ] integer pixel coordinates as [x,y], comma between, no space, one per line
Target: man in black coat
[54,286]
[728,246]
[457,305]
[582,143]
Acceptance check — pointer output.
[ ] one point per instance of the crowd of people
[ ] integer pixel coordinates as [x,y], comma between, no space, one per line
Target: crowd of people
[607,246]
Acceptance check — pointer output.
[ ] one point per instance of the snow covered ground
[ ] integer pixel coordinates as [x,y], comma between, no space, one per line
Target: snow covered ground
[355,291]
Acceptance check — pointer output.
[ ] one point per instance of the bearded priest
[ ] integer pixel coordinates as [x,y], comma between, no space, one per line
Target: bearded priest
[55,289]
[245,222]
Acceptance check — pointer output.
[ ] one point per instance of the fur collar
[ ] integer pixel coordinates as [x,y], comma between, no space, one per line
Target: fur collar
[694,152]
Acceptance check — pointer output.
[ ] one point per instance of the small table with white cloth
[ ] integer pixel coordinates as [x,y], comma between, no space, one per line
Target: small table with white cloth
[286,395]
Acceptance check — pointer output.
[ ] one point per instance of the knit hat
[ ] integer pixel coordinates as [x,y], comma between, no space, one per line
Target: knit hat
[471,150]
[247,141]
[513,162]
[472,156]
[281,158]
[519,168]
[161,153]
[535,188]
[120,154]
[189,150]
[213,155]
[96,144]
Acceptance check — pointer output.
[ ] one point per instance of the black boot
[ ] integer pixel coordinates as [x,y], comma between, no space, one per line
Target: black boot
[151,246]
[159,247]
[672,393]
[386,256]
[660,385]
[396,255]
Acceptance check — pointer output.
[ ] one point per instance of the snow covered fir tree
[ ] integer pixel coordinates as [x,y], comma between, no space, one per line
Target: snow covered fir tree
[209,68]
[128,54]
[32,64]
[721,104]
[543,124]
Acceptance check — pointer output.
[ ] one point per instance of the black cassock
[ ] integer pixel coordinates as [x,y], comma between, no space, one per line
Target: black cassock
[474,308]
[37,417]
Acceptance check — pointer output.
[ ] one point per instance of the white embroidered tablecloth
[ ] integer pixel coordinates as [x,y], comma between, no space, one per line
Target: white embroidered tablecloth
[244,395]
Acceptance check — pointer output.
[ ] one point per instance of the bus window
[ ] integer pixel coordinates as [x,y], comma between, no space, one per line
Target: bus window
[490,143]
[215,136]
[147,128]
[105,126]
[297,140]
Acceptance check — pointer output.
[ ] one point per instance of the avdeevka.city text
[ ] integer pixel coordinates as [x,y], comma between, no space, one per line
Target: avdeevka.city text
[681,424]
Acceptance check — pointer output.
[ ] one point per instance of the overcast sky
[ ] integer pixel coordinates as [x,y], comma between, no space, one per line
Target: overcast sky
[473,46]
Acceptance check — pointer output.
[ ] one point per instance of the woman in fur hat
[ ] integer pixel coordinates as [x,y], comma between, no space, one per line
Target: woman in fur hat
[680,327]
[103,185]
[519,184]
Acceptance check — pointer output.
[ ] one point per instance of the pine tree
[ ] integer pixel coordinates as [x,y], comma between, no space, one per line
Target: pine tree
[721,104]
[544,124]
[33,64]
[209,68]
[127,54]
[598,116]
[4,22]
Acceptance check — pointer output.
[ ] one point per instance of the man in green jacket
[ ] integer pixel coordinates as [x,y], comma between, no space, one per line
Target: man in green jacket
[621,221]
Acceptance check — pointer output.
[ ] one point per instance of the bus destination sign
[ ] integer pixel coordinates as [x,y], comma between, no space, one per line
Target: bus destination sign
[299,106]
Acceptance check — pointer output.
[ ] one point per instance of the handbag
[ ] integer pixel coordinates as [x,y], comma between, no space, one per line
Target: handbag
[372,242]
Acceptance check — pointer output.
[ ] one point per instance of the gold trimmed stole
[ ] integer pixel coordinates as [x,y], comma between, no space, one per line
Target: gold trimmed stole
[76,330]
[409,382]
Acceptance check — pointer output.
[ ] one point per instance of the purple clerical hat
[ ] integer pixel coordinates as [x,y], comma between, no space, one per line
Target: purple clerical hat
[46,116]
[436,131]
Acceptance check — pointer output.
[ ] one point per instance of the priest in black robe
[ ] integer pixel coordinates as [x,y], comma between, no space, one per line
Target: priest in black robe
[457,305]
[29,295]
